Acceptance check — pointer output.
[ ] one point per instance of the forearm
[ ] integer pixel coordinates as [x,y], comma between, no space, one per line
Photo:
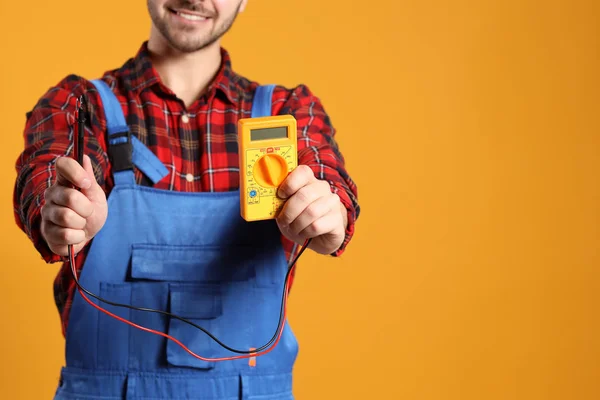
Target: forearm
[319,150]
[47,136]
[340,184]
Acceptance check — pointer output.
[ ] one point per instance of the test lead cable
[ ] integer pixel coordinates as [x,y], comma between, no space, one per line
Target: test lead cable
[80,118]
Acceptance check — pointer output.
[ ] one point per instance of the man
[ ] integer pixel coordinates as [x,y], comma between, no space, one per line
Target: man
[161,146]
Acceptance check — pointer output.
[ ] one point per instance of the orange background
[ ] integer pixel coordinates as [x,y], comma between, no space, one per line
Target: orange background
[472,130]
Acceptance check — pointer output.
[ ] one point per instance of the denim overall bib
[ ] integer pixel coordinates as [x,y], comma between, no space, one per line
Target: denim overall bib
[190,254]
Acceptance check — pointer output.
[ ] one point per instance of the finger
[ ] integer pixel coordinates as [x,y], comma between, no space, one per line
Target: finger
[326,224]
[49,192]
[69,172]
[73,199]
[94,193]
[296,204]
[63,216]
[314,211]
[59,236]
[301,176]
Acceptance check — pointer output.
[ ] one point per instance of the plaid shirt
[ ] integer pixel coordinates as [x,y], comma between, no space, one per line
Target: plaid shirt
[198,144]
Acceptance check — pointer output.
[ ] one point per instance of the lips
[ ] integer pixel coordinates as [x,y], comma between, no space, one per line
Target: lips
[189,15]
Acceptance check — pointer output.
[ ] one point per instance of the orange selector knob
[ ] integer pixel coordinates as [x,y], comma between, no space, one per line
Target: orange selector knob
[270,170]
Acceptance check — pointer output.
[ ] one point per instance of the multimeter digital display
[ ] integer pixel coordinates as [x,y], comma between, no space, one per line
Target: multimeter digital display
[268,133]
[268,153]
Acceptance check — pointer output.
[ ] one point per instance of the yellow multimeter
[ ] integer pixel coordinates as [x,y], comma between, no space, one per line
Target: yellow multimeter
[268,152]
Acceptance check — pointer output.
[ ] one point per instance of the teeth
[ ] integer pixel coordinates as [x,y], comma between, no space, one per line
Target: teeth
[190,17]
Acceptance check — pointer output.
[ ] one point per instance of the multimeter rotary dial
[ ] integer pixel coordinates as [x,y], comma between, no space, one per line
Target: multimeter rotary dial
[270,170]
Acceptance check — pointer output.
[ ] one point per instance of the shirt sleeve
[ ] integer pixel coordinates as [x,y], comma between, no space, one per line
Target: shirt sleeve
[318,149]
[48,135]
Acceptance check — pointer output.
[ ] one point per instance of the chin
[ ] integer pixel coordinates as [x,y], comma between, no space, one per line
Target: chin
[187,39]
[189,45]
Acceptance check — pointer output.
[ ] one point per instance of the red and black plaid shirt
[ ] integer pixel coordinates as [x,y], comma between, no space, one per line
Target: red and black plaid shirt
[198,144]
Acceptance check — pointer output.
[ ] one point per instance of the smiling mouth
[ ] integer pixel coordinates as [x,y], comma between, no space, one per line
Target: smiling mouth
[190,16]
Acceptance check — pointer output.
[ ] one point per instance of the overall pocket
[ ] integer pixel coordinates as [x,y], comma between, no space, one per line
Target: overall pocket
[199,283]
[113,335]
[200,304]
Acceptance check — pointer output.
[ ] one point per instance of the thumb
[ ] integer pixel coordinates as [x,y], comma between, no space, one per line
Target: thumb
[91,192]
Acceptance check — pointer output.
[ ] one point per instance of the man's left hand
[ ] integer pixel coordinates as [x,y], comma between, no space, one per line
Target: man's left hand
[312,211]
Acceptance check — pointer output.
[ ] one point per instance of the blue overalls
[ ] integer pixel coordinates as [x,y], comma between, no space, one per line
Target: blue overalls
[187,253]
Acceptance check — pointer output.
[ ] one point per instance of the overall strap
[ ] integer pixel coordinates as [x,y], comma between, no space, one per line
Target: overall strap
[261,105]
[124,149]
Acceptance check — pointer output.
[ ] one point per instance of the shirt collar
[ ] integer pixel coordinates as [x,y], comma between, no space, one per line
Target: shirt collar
[142,75]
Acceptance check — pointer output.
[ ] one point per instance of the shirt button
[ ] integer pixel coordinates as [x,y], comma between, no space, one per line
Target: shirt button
[189,177]
[185,119]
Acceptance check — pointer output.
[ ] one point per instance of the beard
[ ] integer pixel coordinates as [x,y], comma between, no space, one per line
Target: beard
[186,39]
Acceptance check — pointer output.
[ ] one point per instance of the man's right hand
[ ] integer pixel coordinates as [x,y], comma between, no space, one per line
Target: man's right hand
[70,216]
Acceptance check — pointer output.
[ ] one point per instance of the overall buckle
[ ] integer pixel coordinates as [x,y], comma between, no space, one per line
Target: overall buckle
[120,151]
